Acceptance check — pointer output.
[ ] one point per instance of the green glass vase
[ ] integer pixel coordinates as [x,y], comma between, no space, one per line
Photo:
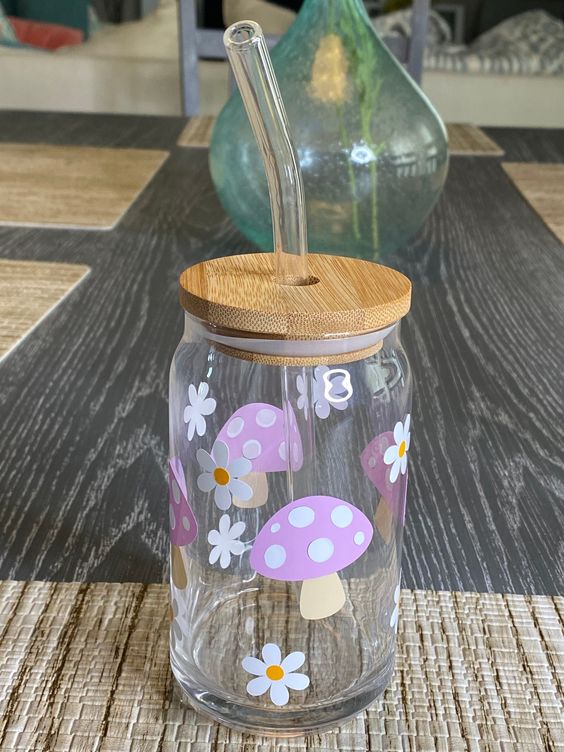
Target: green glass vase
[372,149]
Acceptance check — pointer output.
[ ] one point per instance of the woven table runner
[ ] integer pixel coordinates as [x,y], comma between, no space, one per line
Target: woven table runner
[72,186]
[542,185]
[471,141]
[197,132]
[29,290]
[85,667]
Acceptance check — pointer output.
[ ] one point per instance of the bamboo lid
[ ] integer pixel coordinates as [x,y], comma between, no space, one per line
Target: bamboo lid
[347,296]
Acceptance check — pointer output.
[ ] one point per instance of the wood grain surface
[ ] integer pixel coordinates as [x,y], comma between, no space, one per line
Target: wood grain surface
[85,667]
[469,140]
[83,407]
[71,186]
[542,185]
[29,290]
[198,131]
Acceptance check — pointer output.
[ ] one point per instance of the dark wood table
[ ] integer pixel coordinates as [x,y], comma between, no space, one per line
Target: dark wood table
[83,400]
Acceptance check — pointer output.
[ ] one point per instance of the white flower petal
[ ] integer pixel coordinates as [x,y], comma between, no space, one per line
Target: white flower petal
[239,467]
[192,394]
[300,384]
[394,472]
[398,432]
[407,424]
[222,497]
[200,424]
[322,409]
[241,490]
[220,453]
[254,665]
[258,686]
[214,554]
[208,406]
[237,530]
[225,559]
[214,538]
[206,460]
[340,405]
[206,482]
[296,681]
[203,390]
[293,661]
[278,693]
[237,548]
[187,413]
[403,464]
[271,654]
[224,524]
[390,455]
[191,426]
[407,441]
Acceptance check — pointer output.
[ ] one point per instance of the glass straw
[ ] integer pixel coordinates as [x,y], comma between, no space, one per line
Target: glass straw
[252,68]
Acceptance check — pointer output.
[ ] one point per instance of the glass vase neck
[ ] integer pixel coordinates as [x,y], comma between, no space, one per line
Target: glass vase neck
[335,8]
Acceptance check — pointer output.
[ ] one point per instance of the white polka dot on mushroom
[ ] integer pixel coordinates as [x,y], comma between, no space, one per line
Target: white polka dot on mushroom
[341,516]
[275,556]
[172,518]
[235,427]
[359,538]
[175,492]
[296,452]
[252,449]
[372,462]
[320,550]
[266,418]
[282,451]
[186,523]
[275,528]
[301,516]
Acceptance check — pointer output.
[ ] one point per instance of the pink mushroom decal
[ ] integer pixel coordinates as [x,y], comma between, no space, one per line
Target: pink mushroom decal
[391,504]
[183,525]
[258,432]
[310,540]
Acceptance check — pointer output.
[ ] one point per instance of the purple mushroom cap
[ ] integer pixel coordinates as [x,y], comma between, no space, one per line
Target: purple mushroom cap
[376,470]
[183,525]
[309,538]
[256,432]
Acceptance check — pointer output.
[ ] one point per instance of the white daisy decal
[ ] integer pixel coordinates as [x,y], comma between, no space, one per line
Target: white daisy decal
[396,454]
[224,541]
[200,405]
[331,387]
[275,674]
[394,618]
[223,476]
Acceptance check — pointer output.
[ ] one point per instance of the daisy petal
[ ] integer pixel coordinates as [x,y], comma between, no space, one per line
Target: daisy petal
[222,498]
[322,409]
[192,394]
[191,427]
[237,548]
[225,559]
[241,490]
[406,424]
[407,441]
[206,482]
[293,661]
[239,467]
[206,460]
[214,554]
[200,425]
[258,686]
[224,524]
[254,666]
[394,472]
[214,538]
[398,432]
[296,681]
[278,693]
[203,390]
[220,453]
[271,654]
[208,406]
[300,384]
[237,529]
[390,455]
[187,413]
[403,464]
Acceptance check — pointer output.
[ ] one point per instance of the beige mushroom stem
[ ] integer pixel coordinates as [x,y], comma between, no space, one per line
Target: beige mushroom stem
[259,485]
[384,520]
[177,568]
[322,597]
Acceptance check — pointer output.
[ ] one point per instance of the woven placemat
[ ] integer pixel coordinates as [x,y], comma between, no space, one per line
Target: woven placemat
[72,186]
[29,290]
[85,667]
[542,185]
[471,141]
[197,132]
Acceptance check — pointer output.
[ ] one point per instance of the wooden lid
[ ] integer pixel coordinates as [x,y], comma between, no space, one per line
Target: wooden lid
[349,296]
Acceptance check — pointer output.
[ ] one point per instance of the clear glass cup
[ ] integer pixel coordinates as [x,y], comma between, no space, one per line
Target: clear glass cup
[287,490]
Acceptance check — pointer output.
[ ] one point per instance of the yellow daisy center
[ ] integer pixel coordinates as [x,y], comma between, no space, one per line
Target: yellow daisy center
[221,476]
[275,673]
[401,449]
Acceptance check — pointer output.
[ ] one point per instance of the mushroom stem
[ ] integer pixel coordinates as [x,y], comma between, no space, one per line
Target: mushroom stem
[384,519]
[177,568]
[259,485]
[322,597]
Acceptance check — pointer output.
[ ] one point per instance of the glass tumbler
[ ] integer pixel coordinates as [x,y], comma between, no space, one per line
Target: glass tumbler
[289,435]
